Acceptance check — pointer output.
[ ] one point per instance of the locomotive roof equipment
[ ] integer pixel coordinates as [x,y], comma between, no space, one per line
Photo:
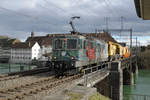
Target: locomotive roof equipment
[74,31]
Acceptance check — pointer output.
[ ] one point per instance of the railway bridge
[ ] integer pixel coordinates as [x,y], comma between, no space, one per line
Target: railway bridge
[106,78]
[109,80]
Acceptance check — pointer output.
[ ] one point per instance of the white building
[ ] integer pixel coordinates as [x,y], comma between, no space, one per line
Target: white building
[5,52]
[5,48]
[45,43]
[25,52]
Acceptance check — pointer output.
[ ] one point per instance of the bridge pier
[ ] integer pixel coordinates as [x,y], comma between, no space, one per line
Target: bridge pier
[128,77]
[116,81]
[128,73]
[137,70]
[131,78]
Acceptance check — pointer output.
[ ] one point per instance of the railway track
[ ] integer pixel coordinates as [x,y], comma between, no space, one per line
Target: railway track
[16,75]
[20,92]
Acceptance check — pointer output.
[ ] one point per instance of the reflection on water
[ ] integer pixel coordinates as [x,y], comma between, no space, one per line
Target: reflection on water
[141,87]
[6,68]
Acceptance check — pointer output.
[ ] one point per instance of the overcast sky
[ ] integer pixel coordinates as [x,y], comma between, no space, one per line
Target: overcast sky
[19,17]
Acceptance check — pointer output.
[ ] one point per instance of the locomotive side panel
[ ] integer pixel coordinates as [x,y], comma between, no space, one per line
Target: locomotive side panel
[102,51]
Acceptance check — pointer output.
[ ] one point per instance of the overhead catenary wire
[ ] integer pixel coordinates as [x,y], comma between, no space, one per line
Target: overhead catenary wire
[112,7]
[18,13]
[52,4]
[32,18]
[108,6]
[65,11]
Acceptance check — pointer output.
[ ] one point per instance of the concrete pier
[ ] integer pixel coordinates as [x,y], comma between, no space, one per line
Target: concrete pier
[131,78]
[116,81]
[137,70]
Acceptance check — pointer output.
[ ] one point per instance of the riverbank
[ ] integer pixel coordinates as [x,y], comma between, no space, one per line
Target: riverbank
[144,60]
[7,68]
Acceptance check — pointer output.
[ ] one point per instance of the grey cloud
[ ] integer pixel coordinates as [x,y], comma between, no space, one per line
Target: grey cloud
[54,16]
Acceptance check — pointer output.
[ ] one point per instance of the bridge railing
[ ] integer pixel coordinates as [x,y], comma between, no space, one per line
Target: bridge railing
[136,97]
[90,73]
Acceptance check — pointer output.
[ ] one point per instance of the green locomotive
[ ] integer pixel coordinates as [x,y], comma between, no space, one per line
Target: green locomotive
[72,53]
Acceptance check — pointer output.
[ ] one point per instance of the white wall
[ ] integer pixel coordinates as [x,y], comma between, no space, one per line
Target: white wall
[20,55]
[36,51]
[44,50]
[5,52]
[25,55]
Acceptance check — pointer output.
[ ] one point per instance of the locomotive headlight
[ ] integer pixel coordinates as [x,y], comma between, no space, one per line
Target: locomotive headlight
[54,57]
[63,53]
[72,58]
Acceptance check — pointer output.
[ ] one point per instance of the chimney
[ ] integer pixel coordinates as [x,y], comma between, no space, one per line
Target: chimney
[48,35]
[29,44]
[32,34]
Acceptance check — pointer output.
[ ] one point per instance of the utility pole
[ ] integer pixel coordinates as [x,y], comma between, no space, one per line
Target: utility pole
[106,22]
[122,24]
[136,51]
[130,50]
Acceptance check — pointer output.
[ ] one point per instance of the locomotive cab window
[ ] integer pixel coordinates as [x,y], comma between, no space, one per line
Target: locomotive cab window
[71,43]
[84,44]
[91,45]
[80,44]
[59,44]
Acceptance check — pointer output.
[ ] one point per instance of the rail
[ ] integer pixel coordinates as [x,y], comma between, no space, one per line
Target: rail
[28,89]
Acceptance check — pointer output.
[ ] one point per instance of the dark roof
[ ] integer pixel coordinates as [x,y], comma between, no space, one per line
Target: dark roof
[3,37]
[23,45]
[47,40]
[104,36]
[7,42]
[42,40]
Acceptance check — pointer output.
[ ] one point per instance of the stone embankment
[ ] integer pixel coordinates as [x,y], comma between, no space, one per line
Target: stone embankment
[144,60]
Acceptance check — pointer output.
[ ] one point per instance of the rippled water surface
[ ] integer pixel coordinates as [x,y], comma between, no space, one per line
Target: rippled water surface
[141,86]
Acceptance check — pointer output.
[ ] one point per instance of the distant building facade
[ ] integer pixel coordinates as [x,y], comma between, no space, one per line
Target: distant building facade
[5,48]
[25,52]
[45,43]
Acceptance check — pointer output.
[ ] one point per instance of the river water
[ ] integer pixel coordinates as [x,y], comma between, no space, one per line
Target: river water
[6,68]
[141,87]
